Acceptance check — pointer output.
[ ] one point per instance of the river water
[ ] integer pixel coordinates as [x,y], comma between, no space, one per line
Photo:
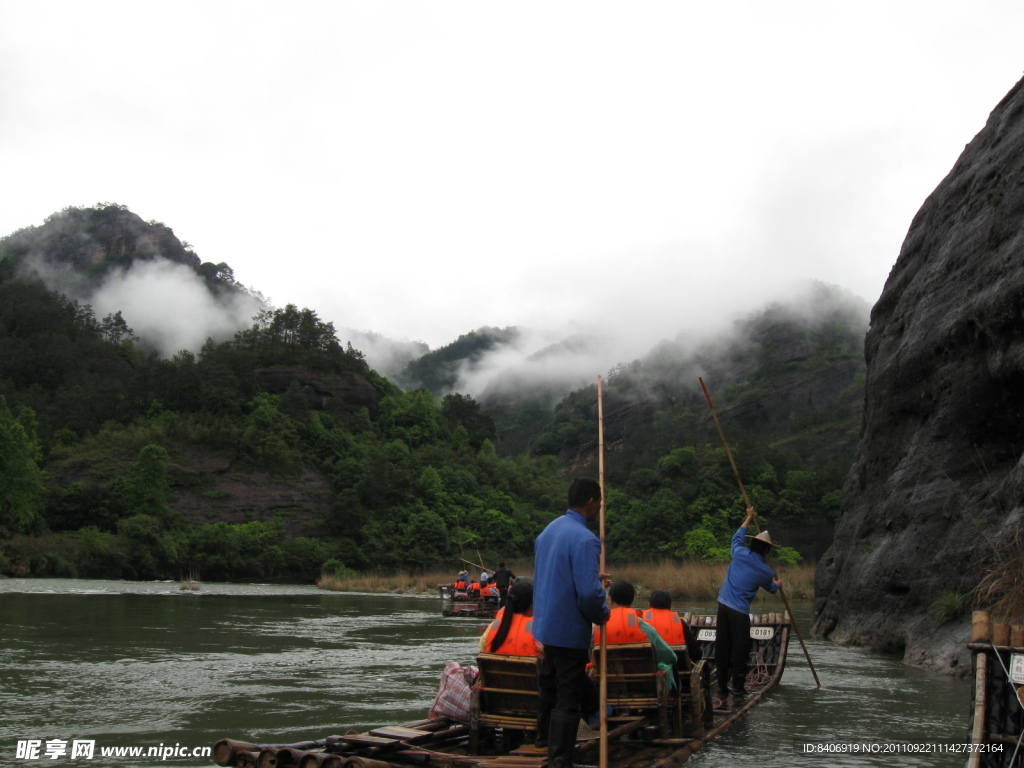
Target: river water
[145,664]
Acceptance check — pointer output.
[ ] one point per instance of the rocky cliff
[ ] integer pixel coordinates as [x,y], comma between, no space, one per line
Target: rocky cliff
[938,474]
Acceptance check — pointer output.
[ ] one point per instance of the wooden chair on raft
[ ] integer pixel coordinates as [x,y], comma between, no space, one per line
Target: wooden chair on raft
[504,696]
[637,684]
[693,679]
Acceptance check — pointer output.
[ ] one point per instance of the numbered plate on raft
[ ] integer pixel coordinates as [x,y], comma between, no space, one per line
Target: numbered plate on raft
[1017,668]
[756,633]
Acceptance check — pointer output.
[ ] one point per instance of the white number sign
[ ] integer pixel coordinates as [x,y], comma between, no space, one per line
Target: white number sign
[1017,668]
[756,633]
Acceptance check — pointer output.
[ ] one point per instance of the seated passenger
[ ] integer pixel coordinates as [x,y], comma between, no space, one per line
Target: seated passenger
[511,632]
[670,625]
[490,593]
[625,625]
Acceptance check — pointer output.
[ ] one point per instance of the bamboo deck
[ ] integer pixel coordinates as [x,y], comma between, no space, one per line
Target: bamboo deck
[472,609]
[634,739]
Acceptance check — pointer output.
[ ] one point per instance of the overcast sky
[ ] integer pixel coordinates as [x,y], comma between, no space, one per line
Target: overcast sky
[421,169]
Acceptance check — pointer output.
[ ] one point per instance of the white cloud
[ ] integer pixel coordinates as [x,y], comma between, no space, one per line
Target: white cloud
[168,306]
[421,170]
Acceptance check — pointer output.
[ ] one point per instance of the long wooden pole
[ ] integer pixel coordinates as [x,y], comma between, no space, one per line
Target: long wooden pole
[978,724]
[603,653]
[470,562]
[757,526]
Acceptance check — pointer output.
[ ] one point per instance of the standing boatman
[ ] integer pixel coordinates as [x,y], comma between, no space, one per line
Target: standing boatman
[747,572]
[503,577]
[568,599]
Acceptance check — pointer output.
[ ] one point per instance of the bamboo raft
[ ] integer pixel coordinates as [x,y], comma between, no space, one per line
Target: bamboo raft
[473,609]
[997,711]
[456,604]
[651,727]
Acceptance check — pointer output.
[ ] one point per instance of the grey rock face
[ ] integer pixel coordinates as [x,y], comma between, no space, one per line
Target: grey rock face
[938,475]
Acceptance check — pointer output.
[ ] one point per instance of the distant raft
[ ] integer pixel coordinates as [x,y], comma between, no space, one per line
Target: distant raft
[461,604]
[653,724]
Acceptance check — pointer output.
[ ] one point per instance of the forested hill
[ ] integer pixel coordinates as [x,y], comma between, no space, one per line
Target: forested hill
[76,249]
[274,449]
[788,386]
[261,456]
[787,381]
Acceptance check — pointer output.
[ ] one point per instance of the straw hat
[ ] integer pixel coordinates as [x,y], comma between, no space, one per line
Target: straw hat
[763,536]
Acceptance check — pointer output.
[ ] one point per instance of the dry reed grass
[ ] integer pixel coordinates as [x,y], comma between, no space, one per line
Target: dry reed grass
[694,581]
[1001,590]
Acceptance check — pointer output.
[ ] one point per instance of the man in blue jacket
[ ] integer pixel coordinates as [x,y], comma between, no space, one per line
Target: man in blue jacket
[747,572]
[568,599]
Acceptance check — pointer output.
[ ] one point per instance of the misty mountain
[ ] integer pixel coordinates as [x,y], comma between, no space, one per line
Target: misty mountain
[109,258]
[441,370]
[387,356]
[781,369]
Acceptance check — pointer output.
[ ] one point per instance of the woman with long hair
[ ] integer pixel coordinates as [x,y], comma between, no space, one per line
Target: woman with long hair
[511,632]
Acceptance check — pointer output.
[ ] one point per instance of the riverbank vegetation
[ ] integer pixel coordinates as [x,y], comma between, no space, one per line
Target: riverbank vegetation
[999,591]
[690,580]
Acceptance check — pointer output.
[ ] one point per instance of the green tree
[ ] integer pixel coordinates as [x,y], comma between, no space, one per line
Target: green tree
[21,480]
[425,539]
[270,440]
[462,410]
[156,553]
[706,545]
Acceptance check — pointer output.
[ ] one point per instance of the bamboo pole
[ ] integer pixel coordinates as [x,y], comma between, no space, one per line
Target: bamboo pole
[477,565]
[981,627]
[1001,634]
[603,652]
[1017,636]
[757,527]
[978,725]
[224,750]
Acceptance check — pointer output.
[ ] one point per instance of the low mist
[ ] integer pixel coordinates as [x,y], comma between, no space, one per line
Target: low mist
[167,305]
[557,363]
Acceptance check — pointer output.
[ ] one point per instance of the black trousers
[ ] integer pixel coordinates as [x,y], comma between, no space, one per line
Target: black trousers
[564,685]
[732,646]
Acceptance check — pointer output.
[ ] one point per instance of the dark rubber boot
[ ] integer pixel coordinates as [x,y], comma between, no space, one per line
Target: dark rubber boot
[543,727]
[562,739]
[737,688]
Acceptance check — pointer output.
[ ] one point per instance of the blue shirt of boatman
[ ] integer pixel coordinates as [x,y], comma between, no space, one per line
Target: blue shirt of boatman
[747,572]
[568,597]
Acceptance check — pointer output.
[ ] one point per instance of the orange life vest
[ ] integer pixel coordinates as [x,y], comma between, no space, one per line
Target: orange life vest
[668,624]
[519,641]
[623,626]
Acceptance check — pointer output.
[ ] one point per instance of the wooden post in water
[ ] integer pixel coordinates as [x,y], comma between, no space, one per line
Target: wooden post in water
[981,627]
[1001,634]
[1016,636]
[603,652]
[978,729]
